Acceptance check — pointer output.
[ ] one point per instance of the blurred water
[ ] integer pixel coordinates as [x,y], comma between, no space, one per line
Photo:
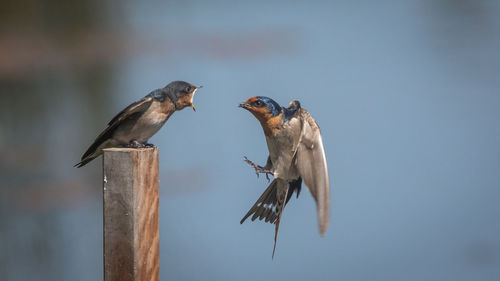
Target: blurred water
[406,94]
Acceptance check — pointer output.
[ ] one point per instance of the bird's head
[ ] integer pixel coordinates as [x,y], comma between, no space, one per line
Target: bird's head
[182,94]
[266,110]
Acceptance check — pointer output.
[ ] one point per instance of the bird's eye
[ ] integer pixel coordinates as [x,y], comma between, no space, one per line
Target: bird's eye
[259,103]
[188,89]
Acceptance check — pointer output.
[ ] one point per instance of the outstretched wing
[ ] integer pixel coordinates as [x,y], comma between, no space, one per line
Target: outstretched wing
[311,163]
[135,108]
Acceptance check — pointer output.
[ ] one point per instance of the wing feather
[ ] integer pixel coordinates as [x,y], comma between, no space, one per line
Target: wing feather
[135,108]
[311,163]
[138,106]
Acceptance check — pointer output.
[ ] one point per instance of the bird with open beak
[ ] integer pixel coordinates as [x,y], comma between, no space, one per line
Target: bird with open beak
[296,154]
[138,122]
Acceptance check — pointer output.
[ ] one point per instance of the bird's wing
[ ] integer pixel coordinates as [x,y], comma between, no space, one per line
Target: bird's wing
[135,108]
[310,161]
[138,106]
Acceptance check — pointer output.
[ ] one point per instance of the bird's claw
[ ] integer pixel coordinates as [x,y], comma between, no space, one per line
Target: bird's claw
[136,144]
[259,169]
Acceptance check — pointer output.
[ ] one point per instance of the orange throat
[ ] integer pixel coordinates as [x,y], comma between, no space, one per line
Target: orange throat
[269,123]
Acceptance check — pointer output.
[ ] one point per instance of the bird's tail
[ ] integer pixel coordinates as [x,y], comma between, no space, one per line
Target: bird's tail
[270,205]
[85,161]
[89,156]
[95,150]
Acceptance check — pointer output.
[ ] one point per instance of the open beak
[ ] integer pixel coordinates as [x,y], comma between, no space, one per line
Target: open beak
[195,89]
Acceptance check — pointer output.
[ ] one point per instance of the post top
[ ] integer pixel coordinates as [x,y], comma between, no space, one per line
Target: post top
[129,149]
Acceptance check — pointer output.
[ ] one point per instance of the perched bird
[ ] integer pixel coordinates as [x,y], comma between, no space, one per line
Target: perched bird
[296,154]
[134,125]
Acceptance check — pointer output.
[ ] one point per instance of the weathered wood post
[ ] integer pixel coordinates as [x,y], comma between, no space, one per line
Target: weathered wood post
[131,205]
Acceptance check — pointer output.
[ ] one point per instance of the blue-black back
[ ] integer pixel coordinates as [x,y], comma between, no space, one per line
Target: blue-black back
[290,111]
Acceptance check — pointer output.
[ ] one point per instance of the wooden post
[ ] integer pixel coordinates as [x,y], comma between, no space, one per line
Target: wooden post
[131,226]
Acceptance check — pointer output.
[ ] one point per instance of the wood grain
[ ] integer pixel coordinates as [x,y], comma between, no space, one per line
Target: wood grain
[131,206]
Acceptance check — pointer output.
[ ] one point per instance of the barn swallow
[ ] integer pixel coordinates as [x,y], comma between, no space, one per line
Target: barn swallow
[296,154]
[138,122]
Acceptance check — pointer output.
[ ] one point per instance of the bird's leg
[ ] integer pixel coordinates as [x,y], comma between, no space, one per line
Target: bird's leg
[135,144]
[259,169]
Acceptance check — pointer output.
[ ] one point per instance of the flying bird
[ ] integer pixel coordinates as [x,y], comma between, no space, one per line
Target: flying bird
[138,122]
[296,154]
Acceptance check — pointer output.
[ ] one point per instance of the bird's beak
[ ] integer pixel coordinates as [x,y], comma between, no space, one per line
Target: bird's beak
[244,105]
[195,89]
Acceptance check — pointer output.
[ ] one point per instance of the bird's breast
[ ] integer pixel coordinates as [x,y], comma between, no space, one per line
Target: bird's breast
[281,153]
[152,120]
[282,147]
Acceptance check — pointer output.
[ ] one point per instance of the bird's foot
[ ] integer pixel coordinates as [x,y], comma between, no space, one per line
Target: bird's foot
[149,145]
[135,144]
[259,169]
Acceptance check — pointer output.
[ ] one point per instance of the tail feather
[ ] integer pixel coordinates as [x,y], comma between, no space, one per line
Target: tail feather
[258,213]
[95,150]
[282,194]
[87,158]
[267,215]
[267,198]
[83,162]
[270,205]
[103,140]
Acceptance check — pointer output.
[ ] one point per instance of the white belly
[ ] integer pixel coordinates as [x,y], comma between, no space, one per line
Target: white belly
[282,154]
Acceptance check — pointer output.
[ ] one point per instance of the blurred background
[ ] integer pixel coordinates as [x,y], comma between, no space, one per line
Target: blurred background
[406,94]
